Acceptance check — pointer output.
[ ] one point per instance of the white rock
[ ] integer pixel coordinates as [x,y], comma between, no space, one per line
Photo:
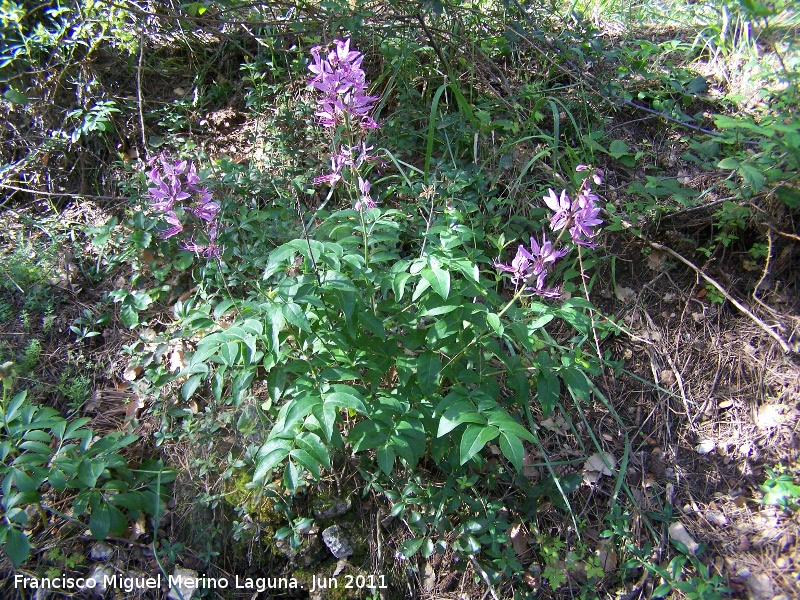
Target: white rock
[186,583]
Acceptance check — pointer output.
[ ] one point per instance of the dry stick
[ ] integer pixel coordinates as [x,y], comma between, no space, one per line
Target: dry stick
[139,91]
[56,194]
[787,349]
[764,273]
[484,576]
[675,371]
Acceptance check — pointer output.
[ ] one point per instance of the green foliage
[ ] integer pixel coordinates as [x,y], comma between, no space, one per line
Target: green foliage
[782,488]
[31,355]
[38,445]
[89,325]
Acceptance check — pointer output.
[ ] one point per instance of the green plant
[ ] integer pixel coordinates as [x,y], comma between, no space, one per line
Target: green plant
[89,325]
[74,386]
[31,355]
[782,488]
[38,445]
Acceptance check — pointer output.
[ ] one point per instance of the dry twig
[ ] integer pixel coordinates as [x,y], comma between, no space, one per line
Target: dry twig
[787,349]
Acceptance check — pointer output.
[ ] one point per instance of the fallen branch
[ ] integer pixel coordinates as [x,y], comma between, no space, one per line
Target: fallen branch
[787,349]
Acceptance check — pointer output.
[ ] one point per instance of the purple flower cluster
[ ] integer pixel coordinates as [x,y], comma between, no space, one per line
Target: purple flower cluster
[176,193]
[344,100]
[343,84]
[580,215]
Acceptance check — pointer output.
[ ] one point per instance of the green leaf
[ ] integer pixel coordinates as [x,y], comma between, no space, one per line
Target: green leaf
[351,400]
[752,176]
[429,367]
[410,547]
[548,389]
[576,382]
[190,386]
[618,148]
[661,590]
[461,412]
[296,410]
[314,446]
[270,455]
[438,278]
[15,97]
[366,435]
[506,424]
[512,449]
[89,470]
[292,476]
[17,546]
[494,322]
[100,521]
[294,314]
[698,85]
[325,414]
[399,284]
[789,196]
[386,458]
[305,459]
[728,163]
[474,439]
[57,479]
[119,523]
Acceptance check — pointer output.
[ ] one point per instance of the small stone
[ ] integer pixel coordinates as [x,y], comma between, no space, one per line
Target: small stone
[760,587]
[99,575]
[186,583]
[716,518]
[705,447]
[32,511]
[339,545]
[331,509]
[101,552]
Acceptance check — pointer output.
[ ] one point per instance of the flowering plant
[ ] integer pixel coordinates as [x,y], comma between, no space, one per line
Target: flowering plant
[344,101]
[579,217]
[177,196]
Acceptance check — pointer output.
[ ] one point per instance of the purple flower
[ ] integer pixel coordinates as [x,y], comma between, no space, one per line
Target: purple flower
[343,85]
[545,255]
[175,225]
[173,182]
[366,202]
[541,290]
[585,216]
[207,211]
[519,266]
[212,250]
[338,161]
[597,174]
[561,206]
[369,123]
